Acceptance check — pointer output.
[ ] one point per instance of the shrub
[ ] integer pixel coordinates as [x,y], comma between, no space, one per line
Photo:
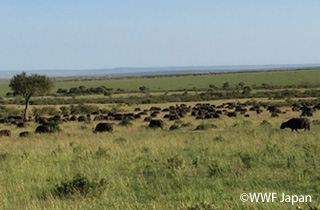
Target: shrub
[4,156]
[125,122]
[174,127]
[6,111]
[247,159]
[218,138]
[79,185]
[316,122]
[116,109]
[82,109]
[44,111]
[55,125]
[64,110]
[205,126]
[265,123]
[214,169]
[202,206]
[101,153]
[120,140]
[175,163]
[186,124]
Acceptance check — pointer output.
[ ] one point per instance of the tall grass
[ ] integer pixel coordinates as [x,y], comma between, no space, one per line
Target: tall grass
[161,169]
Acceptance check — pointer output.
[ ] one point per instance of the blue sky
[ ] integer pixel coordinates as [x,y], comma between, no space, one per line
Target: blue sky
[79,34]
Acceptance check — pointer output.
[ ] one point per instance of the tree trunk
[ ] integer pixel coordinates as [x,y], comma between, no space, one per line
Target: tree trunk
[26,110]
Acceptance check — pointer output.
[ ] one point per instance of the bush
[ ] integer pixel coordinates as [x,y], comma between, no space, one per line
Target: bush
[101,153]
[79,185]
[55,125]
[174,127]
[5,111]
[205,126]
[214,169]
[175,163]
[125,122]
[44,111]
[265,123]
[82,109]
[316,122]
[247,159]
[202,206]
[186,124]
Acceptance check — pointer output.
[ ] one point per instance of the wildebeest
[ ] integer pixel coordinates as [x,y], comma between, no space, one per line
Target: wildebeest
[5,133]
[102,127]
[43,129]
[156,124]
[296,123]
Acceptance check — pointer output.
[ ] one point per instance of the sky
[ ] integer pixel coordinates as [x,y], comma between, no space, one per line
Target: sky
[97,34]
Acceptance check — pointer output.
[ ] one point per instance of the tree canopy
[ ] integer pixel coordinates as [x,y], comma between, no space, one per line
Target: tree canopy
[30,85]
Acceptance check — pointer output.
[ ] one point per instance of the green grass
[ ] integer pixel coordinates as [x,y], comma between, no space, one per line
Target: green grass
[161,169]
[290,77]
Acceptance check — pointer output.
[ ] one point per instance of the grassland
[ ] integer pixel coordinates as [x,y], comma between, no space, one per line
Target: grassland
[141,168]
[162,169]
[163,83]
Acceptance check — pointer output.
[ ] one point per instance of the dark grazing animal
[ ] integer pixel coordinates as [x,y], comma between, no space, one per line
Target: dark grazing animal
[43,129]
[82,118]
[97,118]
[21,125]
[147,119]
[24,134]
[232,114]
[102,127]
[5,133]
[156,124]
[137,116]
[296,123]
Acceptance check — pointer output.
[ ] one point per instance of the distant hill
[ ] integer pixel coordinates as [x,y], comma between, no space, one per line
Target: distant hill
[154,71]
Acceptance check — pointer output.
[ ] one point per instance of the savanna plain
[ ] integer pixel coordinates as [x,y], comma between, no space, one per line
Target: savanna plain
[190,163]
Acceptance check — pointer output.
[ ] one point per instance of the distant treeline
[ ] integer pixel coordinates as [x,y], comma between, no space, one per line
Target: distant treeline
[82,90]
[210,94]
[241,86]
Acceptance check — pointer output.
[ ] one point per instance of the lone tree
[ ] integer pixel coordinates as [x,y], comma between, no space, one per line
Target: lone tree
[144,89]
[28,86]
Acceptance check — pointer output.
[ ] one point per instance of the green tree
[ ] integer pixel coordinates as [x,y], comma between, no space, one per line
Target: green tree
[212,86]
[225,86]
[246,90]
[144,89]
[28,86]
[241,84]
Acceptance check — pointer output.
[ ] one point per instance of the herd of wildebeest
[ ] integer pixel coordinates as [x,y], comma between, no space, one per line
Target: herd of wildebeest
[199,111]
